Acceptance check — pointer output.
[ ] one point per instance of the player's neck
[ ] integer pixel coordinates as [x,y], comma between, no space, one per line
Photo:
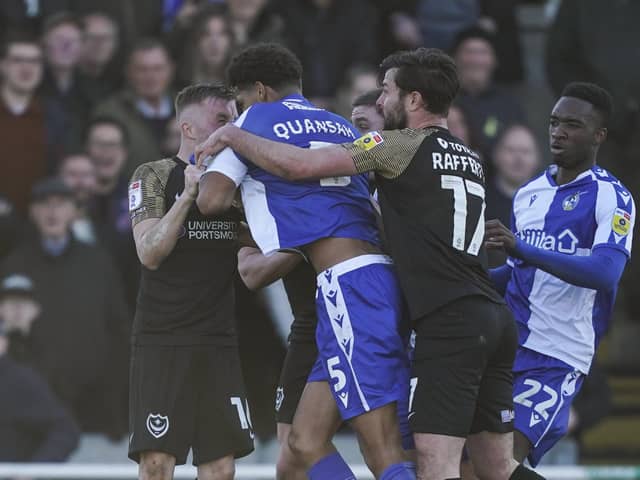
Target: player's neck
[427,119]
[568,175]
[284,92]
[185,151]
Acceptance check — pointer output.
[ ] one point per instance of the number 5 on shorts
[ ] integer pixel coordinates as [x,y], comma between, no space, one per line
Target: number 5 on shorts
[336,374]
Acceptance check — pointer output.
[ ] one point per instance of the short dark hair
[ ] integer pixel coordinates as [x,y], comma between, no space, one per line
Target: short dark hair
[107,120]
[60,18]
[428,71]
[473,32]
[270,63]
[368,99]
[148,43]
[593,94]
[194,94]
[14,37]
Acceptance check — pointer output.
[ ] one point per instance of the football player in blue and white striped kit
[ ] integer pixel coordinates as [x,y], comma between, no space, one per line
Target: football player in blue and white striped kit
[570,239]
[362,372]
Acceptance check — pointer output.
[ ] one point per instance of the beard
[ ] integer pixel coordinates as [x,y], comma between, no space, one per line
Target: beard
[395,118]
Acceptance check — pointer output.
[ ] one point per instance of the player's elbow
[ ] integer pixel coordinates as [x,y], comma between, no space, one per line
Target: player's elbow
[296,172]
[249,278]
[148,260]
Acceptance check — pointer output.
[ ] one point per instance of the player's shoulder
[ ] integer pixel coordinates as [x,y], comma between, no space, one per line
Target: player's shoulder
[604,176]
[158,169]
[534,184]
[611,190]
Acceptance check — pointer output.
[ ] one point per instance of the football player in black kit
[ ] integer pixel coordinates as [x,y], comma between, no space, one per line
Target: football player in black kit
[186,387]
[431,192]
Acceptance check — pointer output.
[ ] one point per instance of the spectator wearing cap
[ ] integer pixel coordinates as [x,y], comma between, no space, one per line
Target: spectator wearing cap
[490,108]
[145,106]
[79,343]
[18,310]
[34,425]
[22,119]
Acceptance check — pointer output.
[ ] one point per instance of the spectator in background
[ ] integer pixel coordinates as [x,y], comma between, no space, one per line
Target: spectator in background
[516,159]
[323,36]
[100,62]
[145,107]
[205,54]
[408,24]
[65,91]
[252,21]
[22,119]
[359,80]
[78,173]
[27,15]
[490,108]
[107,145]
[366,115]
[10,226]
[171,142]
[79,344]
[18,310]
[458,125]
[34,426]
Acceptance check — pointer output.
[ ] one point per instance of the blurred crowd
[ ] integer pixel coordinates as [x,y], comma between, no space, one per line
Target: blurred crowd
[86,95]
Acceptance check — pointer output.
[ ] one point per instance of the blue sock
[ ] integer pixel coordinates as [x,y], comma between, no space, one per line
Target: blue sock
[400,471]
[331,467]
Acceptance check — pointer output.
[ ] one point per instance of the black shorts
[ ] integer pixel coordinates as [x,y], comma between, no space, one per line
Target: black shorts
[184,397]
[462,380]
[297,365]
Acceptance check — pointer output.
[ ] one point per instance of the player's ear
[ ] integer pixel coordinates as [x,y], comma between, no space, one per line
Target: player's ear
[415,101]
[187,130]
[600,135]
[261,91]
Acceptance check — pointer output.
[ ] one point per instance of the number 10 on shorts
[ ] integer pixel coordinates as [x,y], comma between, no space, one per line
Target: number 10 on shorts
[243,414]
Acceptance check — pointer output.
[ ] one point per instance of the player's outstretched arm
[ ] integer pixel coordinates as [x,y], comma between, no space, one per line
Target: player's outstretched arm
[601,270]
[258,270]
[287,161]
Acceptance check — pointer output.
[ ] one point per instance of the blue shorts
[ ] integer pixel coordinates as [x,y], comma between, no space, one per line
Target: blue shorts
[362,336]
[543,389]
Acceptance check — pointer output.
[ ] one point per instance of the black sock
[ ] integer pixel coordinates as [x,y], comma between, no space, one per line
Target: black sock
[523,473]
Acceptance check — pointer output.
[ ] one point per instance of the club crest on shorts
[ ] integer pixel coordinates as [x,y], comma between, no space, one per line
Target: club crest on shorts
[279,398]
[158,425]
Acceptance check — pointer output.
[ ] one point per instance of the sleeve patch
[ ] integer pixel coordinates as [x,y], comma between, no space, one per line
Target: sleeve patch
[621,222]
[135,195]
[369,140]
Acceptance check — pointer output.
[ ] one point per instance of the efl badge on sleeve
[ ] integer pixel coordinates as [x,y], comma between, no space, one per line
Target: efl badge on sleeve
[621,222]
[135,195]
[368,141]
